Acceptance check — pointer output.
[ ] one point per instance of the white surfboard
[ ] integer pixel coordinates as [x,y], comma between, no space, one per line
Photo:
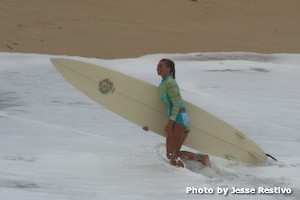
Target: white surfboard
[139,102]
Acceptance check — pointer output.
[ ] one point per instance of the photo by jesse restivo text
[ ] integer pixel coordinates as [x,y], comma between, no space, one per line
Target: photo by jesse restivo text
[239,190]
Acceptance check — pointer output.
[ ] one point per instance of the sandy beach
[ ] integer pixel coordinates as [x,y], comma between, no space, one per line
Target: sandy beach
[130,28]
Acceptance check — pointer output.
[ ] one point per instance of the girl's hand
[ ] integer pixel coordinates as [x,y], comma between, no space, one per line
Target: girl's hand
[169,128]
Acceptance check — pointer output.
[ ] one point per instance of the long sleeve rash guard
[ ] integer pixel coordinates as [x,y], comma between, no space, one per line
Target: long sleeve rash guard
[170,94]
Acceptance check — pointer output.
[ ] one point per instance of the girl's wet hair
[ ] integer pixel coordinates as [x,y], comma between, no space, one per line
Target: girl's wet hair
[170,64]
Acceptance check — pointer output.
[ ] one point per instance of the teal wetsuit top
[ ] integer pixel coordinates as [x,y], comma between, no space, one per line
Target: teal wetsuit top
[170,95]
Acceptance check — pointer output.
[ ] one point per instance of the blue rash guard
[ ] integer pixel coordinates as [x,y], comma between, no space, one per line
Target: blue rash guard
[170,95]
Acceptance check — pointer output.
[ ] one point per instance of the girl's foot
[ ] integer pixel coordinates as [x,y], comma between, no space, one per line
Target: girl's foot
[204,159]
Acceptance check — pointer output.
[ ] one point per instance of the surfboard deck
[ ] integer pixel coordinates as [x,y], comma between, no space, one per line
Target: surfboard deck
[139,102]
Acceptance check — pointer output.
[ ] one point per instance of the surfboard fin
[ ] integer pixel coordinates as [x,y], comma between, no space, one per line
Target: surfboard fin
[241,135]
[229,157]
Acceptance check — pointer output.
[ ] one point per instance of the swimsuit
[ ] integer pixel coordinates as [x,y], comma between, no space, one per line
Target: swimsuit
[170,95]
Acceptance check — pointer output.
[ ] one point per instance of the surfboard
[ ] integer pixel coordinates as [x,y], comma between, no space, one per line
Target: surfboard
[139,102]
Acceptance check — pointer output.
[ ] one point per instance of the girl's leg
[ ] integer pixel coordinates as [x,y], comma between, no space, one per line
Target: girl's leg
[174,143]
[203,158]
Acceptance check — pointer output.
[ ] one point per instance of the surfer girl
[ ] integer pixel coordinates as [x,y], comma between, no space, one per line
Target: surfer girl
[178,125]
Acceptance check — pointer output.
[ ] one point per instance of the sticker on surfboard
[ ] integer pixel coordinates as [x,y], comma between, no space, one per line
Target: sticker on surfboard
[106,86]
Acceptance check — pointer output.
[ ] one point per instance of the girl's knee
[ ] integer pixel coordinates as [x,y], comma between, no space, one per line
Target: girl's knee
[177,162]
[174,155]
[169,155]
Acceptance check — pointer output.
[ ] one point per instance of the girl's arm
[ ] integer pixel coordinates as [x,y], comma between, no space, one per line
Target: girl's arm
[174,94]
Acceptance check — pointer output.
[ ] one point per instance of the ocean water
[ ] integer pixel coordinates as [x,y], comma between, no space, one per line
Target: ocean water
[56,143]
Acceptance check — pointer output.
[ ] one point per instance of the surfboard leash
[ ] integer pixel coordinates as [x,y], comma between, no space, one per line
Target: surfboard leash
[271,157]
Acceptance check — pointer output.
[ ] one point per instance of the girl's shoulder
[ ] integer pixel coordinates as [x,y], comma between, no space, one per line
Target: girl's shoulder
[170,81]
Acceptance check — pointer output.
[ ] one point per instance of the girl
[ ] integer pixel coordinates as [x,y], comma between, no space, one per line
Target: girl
[178,125]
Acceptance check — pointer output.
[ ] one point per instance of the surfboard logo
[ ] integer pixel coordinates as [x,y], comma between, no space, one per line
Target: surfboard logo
[106,86]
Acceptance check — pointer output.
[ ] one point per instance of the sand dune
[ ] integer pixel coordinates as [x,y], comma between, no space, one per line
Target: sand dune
[128,28]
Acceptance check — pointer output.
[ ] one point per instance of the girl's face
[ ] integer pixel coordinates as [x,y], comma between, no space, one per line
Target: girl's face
[162,69]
